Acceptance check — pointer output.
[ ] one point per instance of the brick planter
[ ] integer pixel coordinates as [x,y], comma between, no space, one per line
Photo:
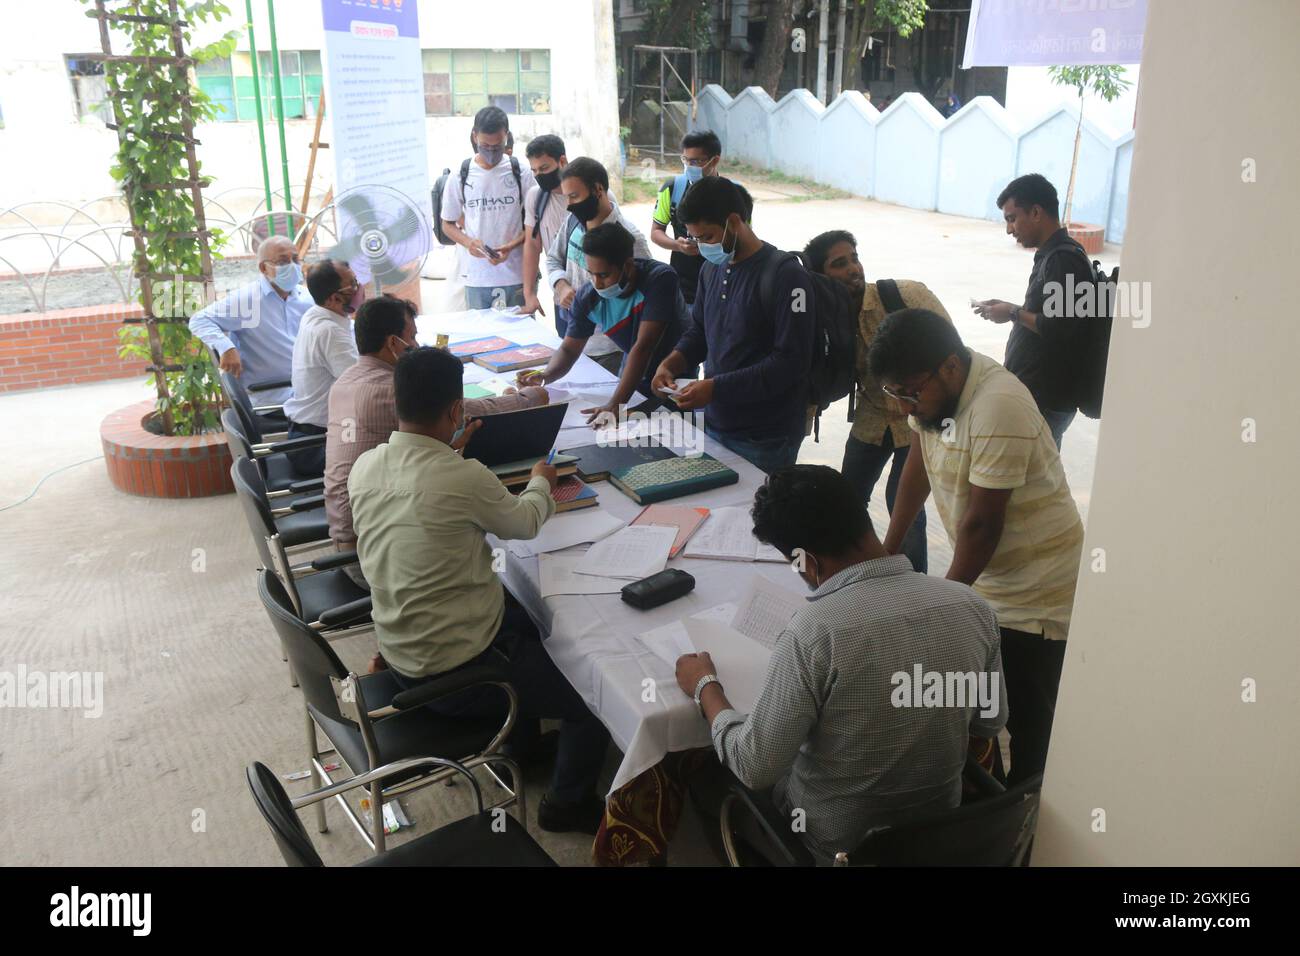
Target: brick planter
[157,466]
[1089,236]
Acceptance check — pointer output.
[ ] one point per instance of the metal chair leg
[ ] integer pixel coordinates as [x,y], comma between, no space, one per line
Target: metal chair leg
[317,781]
[377,816]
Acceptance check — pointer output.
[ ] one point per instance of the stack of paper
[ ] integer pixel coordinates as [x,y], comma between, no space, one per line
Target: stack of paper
[631,554]
[765,611]
[728,535]
[566,530]
[557,576]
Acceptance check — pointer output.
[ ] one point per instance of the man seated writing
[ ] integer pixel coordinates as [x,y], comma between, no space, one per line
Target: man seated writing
[829,733]
[636,302]
[421,513]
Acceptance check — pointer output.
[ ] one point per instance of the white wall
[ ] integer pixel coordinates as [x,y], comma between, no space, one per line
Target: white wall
[45,153]
[1031,93]
[1198,527]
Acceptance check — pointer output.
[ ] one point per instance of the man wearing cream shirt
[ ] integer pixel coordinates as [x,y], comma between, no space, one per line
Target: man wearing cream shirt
[420,512]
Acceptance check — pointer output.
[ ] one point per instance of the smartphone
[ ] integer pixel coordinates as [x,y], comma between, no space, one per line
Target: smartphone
[490,251]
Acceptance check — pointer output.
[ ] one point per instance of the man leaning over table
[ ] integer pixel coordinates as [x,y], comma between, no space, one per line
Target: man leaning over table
[421,513]
[826,734]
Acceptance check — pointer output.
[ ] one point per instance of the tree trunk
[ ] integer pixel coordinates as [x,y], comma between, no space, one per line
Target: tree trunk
[864,15]
[1074,165]
[776,42]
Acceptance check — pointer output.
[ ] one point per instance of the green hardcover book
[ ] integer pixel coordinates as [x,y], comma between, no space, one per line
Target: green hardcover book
[671,478]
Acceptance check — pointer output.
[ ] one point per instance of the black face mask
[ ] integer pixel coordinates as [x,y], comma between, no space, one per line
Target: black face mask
[586,209]
[549,181]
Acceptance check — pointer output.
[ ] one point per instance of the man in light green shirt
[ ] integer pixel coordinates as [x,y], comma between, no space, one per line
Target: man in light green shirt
[420,512]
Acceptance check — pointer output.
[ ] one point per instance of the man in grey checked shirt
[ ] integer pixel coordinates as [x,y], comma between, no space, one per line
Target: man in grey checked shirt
[839,732]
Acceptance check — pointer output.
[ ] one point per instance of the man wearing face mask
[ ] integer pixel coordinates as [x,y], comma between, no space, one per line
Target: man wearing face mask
[585,185]
[489,195]
[544,214]
[754,334]
[252,329]
[422,514]
[323,351]
[363,406]
[636,302]
[983,449]
[701,156]
[828,733]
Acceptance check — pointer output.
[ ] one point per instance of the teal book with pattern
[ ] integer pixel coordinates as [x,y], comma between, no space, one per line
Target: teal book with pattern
[655,481]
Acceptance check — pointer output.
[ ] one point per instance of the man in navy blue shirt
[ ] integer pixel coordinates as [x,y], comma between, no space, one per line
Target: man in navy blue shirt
[636,302]
[757,354]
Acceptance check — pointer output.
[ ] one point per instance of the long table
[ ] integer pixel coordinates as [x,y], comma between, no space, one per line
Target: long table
[593,638]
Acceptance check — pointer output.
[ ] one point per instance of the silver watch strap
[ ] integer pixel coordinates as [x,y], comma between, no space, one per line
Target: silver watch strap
[704,682]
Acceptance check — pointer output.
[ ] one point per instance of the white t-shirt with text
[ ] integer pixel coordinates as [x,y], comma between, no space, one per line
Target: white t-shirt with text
[493,209]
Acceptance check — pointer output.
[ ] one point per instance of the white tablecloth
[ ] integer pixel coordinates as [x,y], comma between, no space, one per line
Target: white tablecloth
[593,638]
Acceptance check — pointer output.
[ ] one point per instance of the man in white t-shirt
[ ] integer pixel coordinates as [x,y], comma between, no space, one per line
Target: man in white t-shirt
[546,158]
[489,193]
[585,185]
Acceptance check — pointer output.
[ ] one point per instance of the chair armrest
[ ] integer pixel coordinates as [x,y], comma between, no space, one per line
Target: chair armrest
[307,484]
[983,783]
[345,613]
[445,686]
[775,827]
[306,503]
[340,559]
[301,443]
[380,773]
[267,386]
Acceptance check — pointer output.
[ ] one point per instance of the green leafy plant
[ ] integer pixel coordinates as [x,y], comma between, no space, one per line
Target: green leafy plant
[150,102]
[1105,81]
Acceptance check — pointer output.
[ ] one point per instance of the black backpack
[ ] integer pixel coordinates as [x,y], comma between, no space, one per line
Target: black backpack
[1090,345]
[441,185]
[833,373]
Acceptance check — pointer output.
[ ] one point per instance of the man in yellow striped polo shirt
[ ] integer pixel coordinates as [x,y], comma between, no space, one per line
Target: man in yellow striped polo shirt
[989,459]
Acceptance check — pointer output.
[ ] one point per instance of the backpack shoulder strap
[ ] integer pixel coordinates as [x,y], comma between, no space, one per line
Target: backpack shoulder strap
[679,190]
[767,281]
[543,197]
[890,297]
[464,178]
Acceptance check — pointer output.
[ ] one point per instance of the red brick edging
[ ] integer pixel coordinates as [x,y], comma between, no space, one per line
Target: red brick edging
[64,347]
[157,466]
[1091,237]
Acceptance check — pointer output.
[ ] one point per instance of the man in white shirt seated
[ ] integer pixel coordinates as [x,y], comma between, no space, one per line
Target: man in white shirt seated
[324,350]
[252,329]
[841,735]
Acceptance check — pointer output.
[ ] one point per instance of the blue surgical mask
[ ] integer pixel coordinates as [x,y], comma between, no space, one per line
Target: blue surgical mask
[288,276]
[693,173]
[612,291]
[714,251]
[460,430]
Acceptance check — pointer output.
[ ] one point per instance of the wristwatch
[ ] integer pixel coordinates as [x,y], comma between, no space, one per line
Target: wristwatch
[1015,314]
[705,681]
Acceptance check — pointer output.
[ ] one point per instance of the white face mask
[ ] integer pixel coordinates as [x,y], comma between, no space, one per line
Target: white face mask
[288,276]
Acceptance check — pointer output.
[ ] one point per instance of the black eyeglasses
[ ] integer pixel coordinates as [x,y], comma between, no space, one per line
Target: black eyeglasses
[914,397]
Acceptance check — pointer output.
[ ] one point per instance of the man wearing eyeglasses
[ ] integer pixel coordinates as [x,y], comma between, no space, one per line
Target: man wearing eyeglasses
[701,156]
[989,458]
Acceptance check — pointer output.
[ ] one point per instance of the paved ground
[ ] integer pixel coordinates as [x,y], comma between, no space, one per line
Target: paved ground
[158,596]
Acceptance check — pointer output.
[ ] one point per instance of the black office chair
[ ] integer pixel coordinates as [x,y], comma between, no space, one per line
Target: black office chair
[259,420]
[993,829]
[278,475]
[370,721]
[479,840]
[323,594]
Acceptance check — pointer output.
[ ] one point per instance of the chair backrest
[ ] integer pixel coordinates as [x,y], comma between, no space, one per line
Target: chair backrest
[991,832]
[313,660]
[291,836]
[240,446]
[251,492]
[237,395]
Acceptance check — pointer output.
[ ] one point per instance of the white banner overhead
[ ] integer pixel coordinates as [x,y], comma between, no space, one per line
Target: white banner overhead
[1054,32]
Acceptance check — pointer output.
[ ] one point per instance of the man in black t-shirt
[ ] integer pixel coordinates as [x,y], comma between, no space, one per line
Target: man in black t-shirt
[701,157]
[1045,328]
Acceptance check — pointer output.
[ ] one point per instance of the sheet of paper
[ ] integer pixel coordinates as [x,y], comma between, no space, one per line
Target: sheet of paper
[727,534]
[725,613]
[668,642]
[566,530]
[766,552]
[635,552]
[742,664]
[555,572]
[765,610]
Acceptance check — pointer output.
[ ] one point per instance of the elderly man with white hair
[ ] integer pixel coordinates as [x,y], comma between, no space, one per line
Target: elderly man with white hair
[253,328]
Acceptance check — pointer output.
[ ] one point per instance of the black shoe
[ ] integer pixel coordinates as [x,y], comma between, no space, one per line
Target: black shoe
[581,817]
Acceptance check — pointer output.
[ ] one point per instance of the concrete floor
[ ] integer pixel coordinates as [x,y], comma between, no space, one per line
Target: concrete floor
[158,596]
